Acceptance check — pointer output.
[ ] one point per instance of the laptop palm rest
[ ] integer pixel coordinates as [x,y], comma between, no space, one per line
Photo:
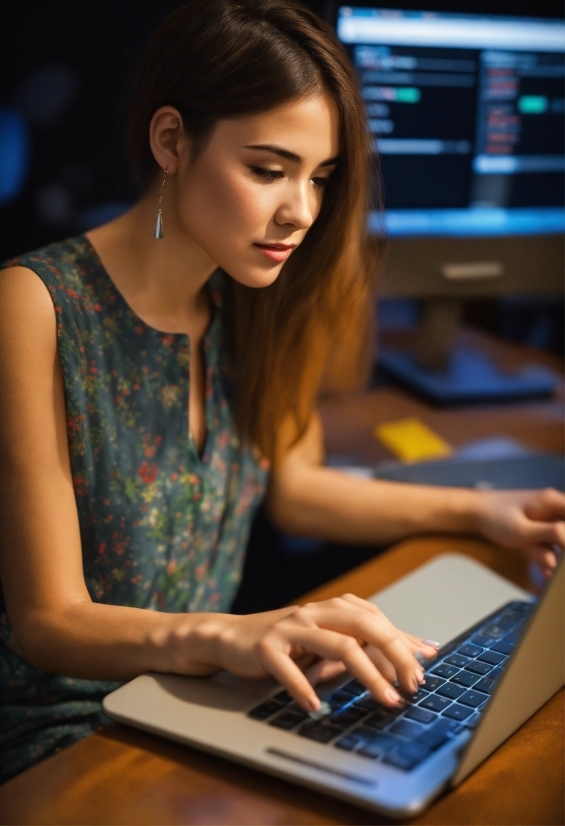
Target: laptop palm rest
[445,597]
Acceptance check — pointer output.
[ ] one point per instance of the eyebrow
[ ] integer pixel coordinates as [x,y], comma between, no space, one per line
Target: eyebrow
[286,153]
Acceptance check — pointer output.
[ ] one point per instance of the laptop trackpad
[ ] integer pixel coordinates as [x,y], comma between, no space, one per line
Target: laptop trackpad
[445,597]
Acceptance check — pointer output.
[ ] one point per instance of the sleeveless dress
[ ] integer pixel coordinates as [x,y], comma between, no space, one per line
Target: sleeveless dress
[161,527]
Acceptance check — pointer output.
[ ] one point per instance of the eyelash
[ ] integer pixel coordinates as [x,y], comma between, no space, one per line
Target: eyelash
[271,175]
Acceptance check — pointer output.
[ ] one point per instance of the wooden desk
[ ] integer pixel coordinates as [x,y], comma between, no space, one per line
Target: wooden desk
[122,776]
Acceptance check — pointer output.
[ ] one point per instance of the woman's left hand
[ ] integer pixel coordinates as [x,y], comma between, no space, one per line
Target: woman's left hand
[532,521]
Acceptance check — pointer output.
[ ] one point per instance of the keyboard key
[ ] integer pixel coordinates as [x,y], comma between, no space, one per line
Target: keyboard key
[434,703]
[473,698]
[491,657]
[504,646]
[407,756]
[265,710]
[447,726]
[512,615]
[354,687]
[287,720]
[495,631]
[283,697]
[367,703]
[348,717]
[457,712]
[476,667]
[421,715]
[432,737]
[433,682]
[466,678]
[450,690]
[481,640]
[321,732]
[524,607]
[472,721]
[487,684]
[406,728]
[339,699]
[347,743]
[364,733]
[470,650]
[379,720]
[504,622]
[419,695]
[378,745]
[458,660]
[444,670]
[350,741]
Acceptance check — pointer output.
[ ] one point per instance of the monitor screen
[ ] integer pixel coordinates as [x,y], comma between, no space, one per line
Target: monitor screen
[467,113]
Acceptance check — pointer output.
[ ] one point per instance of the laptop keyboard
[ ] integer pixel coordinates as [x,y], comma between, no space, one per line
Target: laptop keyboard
[458,686]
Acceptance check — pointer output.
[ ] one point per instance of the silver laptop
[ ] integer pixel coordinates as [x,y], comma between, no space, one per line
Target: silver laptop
[502,657]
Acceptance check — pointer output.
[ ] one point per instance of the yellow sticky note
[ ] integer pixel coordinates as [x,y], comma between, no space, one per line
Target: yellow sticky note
[411,440]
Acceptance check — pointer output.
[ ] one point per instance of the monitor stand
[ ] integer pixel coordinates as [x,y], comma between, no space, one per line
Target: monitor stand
[449,374]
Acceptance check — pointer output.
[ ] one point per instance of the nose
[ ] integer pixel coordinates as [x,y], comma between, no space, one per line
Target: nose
[297,210]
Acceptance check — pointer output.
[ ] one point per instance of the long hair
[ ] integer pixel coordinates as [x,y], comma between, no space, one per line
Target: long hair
[217,59]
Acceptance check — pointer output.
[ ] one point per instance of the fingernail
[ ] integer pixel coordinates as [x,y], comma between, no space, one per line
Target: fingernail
[420,674]
[392,696]
[433,644]
[322,711]
[314,704]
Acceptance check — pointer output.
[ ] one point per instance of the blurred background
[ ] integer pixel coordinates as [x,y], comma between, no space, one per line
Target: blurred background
[66,74]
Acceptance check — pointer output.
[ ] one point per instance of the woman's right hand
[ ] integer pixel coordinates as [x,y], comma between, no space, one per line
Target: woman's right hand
[345,633]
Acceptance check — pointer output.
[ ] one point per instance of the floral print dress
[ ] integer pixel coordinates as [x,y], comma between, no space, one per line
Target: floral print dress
[162,528]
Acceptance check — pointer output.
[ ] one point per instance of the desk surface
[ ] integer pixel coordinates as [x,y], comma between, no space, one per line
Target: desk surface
[123,776]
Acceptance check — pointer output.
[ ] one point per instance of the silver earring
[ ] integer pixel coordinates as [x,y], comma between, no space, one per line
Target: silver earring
[159,222]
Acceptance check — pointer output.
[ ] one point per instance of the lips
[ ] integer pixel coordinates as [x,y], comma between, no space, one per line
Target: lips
[275,252]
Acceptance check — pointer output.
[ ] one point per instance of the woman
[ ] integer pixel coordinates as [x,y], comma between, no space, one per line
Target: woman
[158,379]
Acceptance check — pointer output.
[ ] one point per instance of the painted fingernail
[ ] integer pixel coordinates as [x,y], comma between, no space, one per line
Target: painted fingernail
[314,705]
[323,710]
[432,643]
[392,696]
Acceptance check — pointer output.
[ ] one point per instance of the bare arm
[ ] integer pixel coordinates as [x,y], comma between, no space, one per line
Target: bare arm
[308,499]
[55,623]
[57,626]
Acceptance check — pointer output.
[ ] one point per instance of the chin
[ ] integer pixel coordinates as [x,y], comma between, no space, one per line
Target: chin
[255,277]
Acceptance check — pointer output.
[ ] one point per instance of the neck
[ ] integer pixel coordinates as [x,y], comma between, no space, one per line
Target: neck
[161,279]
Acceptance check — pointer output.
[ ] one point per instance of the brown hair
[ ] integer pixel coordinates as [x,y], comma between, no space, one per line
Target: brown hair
[216,59]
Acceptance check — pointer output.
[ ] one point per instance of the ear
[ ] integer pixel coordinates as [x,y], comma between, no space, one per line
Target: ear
[167,138]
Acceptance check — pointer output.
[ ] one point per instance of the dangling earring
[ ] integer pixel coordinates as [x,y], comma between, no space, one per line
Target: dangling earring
[159,222]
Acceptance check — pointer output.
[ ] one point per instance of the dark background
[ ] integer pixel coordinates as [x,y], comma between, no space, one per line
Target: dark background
[66,72]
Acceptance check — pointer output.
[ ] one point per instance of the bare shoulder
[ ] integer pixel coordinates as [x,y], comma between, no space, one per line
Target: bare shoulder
[22,287]
[26,310]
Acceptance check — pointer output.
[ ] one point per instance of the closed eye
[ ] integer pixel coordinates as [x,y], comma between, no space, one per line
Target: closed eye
[267,174]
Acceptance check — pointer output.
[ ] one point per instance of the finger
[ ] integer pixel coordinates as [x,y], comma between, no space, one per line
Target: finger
[276,661]
[428,648]
[546,505]
[374,628]
[324,670]
[333,645]
[381,662]
[545,533]
[545,557]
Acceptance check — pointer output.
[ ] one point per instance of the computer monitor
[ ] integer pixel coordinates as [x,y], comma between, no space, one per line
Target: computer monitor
[467,114]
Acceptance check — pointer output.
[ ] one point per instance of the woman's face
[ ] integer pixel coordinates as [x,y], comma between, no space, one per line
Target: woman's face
[252,194]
